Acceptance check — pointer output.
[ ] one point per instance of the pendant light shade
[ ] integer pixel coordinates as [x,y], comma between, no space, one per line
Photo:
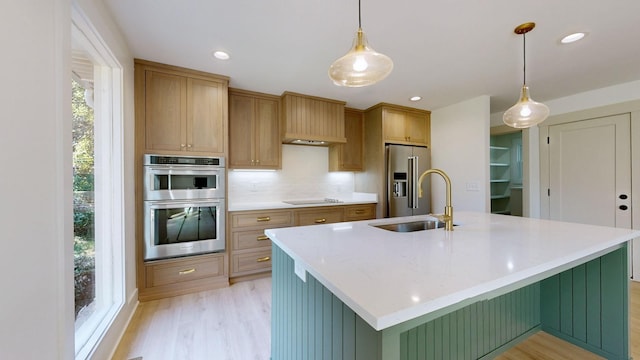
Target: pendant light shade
[362,65]
[526,112]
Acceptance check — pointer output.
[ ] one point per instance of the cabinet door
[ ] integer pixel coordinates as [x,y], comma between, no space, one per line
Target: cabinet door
[417,128]
[165,102]
[394,126]
[267,134]
[241,117]
[206,116]
[350,155]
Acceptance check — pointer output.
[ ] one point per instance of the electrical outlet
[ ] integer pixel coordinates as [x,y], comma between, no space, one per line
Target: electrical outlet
[473,186]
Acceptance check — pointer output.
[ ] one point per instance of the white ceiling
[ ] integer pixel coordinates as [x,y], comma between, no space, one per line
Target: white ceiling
[446,51]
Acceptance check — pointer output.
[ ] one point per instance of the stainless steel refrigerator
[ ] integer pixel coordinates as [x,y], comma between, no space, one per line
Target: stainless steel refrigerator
[404,166]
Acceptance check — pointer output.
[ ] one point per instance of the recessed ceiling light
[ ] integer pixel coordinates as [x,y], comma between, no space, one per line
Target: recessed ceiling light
[415,98]
[221,55]
[572,37]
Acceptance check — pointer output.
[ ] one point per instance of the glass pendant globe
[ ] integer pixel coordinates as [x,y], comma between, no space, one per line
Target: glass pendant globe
[361,66]
[526,112]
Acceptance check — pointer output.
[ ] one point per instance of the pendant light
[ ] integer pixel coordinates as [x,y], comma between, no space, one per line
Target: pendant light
[361,66]
[526,112]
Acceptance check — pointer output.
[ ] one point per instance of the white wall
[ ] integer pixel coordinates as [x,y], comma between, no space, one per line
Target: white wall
[460,143]
[304,175]
[36,262]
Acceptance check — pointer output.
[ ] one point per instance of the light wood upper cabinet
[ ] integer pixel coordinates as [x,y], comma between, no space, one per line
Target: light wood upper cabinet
[405,125]
[254,130]
[206,116]
[349,156]
[312,118]
[181,109]
[165,99]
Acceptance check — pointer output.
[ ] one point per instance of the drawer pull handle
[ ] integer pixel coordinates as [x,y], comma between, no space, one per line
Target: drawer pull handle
[264,218]
[359,212]
[262,238]
[263,259]
[321,221]
[186,271]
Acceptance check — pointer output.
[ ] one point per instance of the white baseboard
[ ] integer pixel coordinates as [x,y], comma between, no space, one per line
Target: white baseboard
[107,346]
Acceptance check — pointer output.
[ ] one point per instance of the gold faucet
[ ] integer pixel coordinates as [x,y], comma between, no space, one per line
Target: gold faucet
[447,217]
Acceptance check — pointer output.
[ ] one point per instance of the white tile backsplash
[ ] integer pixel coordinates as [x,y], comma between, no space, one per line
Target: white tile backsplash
[304,175]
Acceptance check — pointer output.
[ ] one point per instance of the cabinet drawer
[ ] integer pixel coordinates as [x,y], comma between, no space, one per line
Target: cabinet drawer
[261,219]
[251,261]
[241,240]
[184,270]
[319,216]
[359,212]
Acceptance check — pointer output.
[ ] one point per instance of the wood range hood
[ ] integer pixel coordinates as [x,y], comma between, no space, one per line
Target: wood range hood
[310,120]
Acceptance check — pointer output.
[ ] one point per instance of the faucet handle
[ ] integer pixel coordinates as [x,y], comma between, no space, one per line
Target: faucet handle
[440,217]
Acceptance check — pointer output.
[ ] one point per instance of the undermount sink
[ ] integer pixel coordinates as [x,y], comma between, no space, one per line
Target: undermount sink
[412,226]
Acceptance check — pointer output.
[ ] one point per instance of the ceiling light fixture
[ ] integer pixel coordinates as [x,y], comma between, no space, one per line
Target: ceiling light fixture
[361,66]
[572,37]
[221,55]
[526,112]
[415,98]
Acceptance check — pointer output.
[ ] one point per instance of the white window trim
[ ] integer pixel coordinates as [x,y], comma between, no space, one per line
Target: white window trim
[109,146]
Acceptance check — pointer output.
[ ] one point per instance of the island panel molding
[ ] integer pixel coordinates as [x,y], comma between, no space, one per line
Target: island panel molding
[588,305]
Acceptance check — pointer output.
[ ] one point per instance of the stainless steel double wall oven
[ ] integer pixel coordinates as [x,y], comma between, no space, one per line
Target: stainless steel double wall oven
[184,205]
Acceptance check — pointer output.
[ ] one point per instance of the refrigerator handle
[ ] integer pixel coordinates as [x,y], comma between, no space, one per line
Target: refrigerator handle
[412,186]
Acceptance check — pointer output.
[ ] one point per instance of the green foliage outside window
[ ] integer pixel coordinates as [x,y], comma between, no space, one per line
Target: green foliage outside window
[83,199]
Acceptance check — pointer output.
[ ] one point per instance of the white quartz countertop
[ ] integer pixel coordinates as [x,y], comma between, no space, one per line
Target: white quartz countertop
[388,278]
[302,202]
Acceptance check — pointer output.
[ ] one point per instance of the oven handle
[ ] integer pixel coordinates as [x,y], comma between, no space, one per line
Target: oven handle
[172,203]
[182,169]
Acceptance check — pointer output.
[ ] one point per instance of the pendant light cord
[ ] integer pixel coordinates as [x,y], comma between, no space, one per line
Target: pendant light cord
[359,16]
[524,59]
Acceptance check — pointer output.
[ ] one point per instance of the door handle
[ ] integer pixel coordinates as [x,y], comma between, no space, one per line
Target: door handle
[623,207]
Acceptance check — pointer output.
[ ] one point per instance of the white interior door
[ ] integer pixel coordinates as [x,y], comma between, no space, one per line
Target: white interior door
[590,171]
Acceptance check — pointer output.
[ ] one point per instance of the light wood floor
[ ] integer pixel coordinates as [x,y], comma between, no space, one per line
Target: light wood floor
[234,324]
[224,324]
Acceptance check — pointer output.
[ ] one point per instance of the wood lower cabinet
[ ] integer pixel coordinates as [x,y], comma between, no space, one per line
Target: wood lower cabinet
[180,110]
[254,130]
[250,249]
[319,216]
[251,262]
[171,277]
[359,212]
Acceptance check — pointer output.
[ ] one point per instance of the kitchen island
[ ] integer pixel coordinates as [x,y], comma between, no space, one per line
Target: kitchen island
[356,291]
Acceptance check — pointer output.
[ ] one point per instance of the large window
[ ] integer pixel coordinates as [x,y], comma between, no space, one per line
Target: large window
[97,186]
